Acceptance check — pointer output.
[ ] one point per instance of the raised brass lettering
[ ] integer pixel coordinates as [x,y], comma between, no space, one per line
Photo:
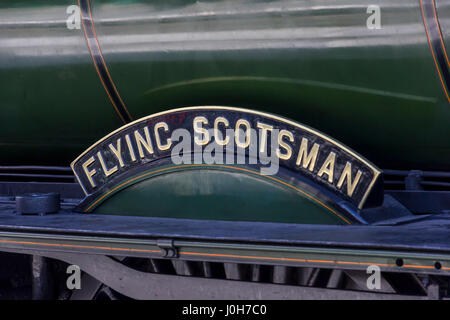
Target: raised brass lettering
[220,142]
[246,124]
[161,146]
[147,143]
[309,160]
[198,128]
[130,147]
[347,175]
[328,167]
[107,171]
[263,137]
[284,145]
[89,173]
[116,151]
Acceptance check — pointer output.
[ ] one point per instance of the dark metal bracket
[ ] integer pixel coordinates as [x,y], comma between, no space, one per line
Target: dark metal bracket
[167,247]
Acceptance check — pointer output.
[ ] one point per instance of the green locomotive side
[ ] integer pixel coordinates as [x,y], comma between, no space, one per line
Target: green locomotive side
[379,91]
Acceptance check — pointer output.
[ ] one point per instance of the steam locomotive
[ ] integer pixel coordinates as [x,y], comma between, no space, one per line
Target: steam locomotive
[156,146]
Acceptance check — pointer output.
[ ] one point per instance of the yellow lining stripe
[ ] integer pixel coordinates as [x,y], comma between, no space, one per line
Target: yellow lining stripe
[221,255]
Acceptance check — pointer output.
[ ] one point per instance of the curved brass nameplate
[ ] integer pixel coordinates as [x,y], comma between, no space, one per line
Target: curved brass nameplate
[227,136]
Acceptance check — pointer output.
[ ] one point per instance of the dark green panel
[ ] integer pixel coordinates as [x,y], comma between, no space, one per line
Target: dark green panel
[316,62]
[377,91]
[52,102]
[216,195]
[392,145]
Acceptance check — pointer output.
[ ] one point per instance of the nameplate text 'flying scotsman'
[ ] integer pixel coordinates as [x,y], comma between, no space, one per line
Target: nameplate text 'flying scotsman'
[230,138]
